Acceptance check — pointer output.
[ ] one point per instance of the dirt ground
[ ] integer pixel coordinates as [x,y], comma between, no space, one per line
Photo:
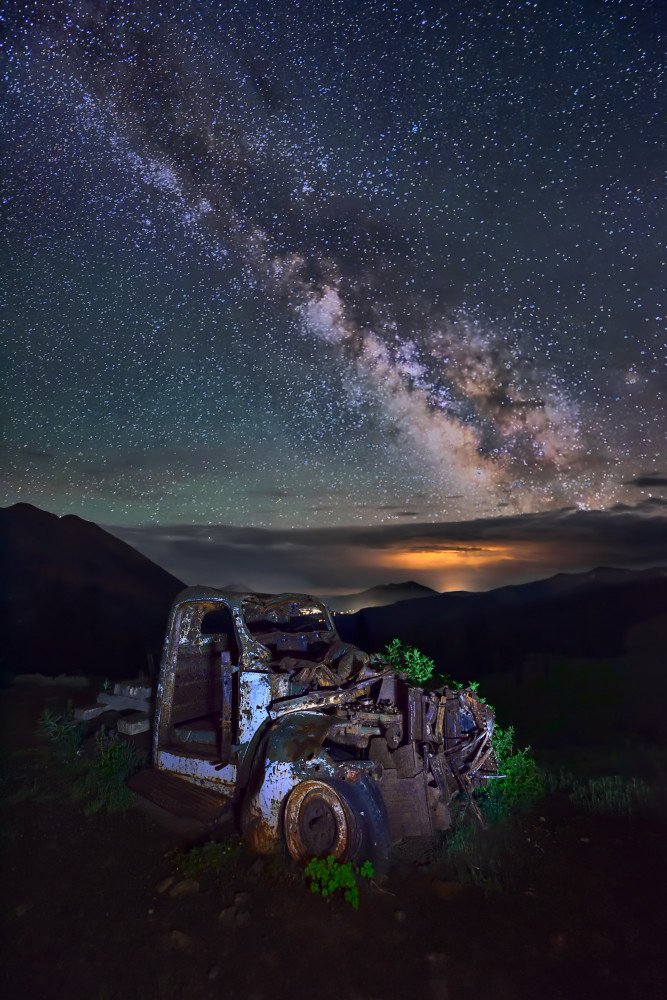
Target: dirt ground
[94,907]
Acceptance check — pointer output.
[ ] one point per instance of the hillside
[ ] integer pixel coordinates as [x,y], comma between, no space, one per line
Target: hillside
[576,615]
[75,599]
[383,594]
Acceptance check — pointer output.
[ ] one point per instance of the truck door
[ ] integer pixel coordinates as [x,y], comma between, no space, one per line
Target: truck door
[204,705]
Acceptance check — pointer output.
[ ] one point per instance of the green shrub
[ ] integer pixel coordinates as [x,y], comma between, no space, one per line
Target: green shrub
[519,782]
[409,660]
[523,782]
[327,875]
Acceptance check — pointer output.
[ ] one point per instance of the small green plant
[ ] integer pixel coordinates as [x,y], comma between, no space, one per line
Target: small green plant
[213,856]
[63,730]
[409,660]
[327,875]
[104,777]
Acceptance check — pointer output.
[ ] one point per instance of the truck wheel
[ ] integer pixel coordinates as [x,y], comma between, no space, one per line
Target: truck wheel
[340,818]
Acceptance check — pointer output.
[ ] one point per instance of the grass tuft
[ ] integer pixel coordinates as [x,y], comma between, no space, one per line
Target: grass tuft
[63,731]
[213,856]
[614,794]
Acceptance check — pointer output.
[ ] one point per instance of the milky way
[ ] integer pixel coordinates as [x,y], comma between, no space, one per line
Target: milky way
[316,264]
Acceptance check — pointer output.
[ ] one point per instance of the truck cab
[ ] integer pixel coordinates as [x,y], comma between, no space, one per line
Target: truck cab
[320,748]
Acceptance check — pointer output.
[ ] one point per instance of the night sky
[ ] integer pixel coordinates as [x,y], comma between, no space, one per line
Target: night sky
[386,280]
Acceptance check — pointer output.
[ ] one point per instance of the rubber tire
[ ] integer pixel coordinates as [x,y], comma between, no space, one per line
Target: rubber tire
[365,799]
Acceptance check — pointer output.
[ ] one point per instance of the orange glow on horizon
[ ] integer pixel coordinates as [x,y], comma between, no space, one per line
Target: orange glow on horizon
[460,565]
[450,557]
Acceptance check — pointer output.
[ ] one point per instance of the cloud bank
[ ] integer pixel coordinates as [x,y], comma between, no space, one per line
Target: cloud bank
[466,555]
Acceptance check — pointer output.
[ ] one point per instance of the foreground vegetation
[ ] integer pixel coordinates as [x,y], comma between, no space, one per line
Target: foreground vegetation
[525,810]
[63,766]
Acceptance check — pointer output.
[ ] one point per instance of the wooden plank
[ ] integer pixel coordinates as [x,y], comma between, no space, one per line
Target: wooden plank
[178,796]
[197,688]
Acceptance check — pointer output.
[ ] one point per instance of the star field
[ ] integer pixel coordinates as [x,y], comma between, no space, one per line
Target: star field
[308,265]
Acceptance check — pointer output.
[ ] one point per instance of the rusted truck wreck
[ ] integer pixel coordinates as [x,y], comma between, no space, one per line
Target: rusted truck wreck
[322,748]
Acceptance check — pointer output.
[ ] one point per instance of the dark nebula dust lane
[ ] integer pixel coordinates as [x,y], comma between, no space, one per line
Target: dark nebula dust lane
[321,264]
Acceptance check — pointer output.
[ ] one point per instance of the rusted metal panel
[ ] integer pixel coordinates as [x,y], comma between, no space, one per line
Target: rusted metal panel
[207,772]
[406,761]
[292,752]
[227,721]
[262,807]
[438,729]
[387,692]
[430,705]
[255,696]
[379,752]
[298,737]
[415,714]
[407,805]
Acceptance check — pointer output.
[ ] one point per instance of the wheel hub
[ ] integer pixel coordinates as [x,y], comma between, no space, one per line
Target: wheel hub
[316,822]
[318,828]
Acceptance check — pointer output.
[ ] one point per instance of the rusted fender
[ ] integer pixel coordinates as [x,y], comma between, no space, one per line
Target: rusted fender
[290,752]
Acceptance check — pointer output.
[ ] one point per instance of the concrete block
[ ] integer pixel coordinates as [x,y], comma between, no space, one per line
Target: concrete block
[120,702]
[133,723]
[89,712]
[134,689]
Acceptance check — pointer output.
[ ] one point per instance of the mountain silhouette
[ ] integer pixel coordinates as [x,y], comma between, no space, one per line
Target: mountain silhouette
[77,600]
[386,593]
[575,615]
